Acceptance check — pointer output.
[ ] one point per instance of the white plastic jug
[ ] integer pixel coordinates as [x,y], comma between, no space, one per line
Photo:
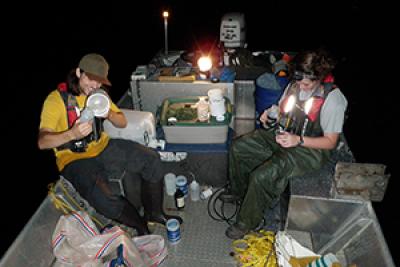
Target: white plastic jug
[217,102]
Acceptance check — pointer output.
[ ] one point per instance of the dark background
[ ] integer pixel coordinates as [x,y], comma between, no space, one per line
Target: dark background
[41,43]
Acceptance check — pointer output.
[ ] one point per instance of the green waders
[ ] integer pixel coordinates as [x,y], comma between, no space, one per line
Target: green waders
[259,170]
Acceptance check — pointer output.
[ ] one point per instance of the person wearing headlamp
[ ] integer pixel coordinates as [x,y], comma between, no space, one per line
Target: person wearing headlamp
[310,121]
[90,161]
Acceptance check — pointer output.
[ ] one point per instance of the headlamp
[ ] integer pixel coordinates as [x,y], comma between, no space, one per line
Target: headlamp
[299,75]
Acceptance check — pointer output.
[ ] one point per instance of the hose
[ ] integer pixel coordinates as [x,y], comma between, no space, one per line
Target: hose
[220,215]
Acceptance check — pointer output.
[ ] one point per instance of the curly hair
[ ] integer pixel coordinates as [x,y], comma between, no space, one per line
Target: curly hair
[317,63]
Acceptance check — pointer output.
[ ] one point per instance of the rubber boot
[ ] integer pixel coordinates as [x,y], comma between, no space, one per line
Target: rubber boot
[131,217]
[152,199]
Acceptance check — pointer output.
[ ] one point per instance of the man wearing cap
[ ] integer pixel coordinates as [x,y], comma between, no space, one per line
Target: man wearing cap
[88,158]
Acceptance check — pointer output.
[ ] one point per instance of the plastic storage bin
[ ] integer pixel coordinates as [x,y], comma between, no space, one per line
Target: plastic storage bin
[193,131]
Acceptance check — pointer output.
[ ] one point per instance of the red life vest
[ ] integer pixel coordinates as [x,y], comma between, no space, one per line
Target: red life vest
[70,104]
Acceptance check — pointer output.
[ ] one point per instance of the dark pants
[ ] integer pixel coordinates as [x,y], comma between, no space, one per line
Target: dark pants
[121,159]
[259,171]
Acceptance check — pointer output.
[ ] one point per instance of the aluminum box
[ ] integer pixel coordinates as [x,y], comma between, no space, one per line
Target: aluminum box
[347,228]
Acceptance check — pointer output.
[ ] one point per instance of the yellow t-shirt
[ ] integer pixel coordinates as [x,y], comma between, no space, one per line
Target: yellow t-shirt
[54,116]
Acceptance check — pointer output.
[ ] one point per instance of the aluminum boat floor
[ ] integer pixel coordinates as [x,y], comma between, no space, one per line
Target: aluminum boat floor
[203,241]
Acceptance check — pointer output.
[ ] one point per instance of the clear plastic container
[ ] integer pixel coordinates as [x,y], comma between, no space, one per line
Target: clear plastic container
[194,191]
[202,109]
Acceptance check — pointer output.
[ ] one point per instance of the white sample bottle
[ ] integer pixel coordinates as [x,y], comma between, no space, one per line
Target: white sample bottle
[194,191]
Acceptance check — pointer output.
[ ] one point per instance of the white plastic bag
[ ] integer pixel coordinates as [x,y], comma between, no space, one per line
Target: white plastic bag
[286,246]
[152,248]
[76,241]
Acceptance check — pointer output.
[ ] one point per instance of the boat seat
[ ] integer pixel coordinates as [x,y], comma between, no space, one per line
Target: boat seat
[317,183]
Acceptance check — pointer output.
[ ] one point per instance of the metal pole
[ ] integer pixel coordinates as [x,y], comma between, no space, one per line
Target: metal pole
[165,15]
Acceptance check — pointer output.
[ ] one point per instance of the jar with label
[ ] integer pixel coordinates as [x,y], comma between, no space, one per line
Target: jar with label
[179,199]
[182,184]
[202,109]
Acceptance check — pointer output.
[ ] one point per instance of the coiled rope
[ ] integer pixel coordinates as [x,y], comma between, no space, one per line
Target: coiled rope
[60,204]
[256,249]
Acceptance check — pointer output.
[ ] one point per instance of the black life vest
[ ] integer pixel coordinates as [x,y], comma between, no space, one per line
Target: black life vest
[300,122]
[71,106]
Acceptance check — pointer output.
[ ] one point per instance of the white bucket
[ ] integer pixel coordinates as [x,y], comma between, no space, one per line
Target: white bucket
[217,102]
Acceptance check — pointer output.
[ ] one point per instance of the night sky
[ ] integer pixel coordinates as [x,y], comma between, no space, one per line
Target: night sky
[41,43]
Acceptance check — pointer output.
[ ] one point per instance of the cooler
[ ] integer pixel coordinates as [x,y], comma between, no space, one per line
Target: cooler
[208,162]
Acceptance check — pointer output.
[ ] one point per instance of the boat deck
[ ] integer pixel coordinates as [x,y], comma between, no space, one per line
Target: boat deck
[203,241]
[354,233]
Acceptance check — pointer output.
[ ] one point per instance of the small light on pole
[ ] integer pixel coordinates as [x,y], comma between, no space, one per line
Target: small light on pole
[165,15]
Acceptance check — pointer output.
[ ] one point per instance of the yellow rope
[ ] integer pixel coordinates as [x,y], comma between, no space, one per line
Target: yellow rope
[64,206]
[58,202]
[256,250]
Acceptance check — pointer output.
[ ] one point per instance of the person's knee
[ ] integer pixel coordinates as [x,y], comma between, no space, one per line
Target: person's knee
[272,182]
[264,177]
[260,178]
[111,206]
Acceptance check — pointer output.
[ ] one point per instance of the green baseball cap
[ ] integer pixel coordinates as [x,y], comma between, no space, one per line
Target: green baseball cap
[95,67]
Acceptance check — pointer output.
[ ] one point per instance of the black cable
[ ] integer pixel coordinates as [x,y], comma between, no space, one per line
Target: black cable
[220,215]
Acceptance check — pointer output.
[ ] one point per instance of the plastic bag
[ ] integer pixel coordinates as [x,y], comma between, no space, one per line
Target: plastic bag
[76,241]
[288,250]
[152,248]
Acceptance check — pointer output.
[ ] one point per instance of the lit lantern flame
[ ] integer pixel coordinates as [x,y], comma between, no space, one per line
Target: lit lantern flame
[307,108]
[165,14]
[288,107]
[290,104]
[204,63]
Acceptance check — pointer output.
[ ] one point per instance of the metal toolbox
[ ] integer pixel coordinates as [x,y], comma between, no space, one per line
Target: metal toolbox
[347,228]
[191,130]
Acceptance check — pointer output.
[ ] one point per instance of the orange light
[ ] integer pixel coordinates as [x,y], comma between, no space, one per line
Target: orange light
[165,14]
[204,63]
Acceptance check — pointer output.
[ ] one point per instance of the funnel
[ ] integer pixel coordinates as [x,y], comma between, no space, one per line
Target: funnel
[97,105]
[98,102]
